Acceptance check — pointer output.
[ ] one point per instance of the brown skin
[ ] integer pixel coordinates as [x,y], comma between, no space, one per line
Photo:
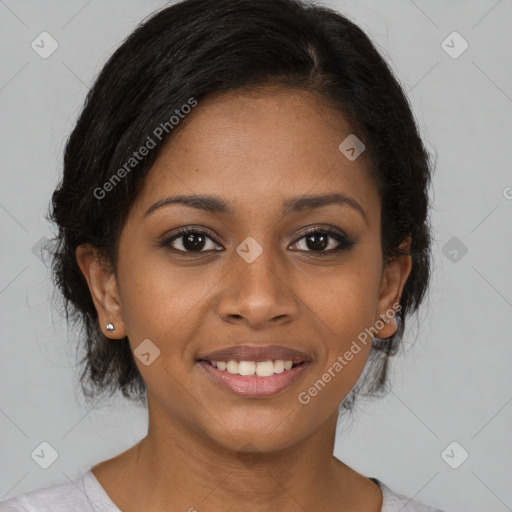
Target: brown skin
[254,150]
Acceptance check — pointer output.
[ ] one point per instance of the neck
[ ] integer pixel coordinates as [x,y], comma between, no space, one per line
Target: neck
[178,467]
[182,469]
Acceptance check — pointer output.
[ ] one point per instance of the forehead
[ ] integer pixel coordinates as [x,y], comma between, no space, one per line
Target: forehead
[256,148]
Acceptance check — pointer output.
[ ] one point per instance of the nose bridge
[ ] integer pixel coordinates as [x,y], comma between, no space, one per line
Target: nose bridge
[257,289]
[258,265]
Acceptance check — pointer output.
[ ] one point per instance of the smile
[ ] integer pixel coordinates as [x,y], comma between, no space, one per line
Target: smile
[254,379]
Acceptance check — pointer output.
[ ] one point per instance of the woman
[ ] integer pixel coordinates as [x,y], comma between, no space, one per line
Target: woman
[243,232]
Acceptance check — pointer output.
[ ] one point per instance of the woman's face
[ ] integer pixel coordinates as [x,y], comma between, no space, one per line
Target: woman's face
[255,279]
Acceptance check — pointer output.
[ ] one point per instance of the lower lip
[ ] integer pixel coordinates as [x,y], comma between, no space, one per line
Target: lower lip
[255,387]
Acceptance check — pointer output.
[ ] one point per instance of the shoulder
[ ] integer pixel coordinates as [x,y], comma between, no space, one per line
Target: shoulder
[393,502]
[79,495]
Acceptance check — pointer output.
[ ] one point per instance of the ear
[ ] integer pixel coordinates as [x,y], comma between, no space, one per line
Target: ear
[394,276]
[102,283]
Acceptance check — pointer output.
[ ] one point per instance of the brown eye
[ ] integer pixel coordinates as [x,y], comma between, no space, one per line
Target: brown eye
[191,240]
[324,241]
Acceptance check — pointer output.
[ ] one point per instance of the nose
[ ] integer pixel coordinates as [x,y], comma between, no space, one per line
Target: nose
[259,294]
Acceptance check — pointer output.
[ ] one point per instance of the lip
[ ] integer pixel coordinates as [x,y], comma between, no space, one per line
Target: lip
[256,353]
[255,387]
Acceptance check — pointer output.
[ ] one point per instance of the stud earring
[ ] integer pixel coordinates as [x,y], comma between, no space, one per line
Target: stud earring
[385,319]
[110,327]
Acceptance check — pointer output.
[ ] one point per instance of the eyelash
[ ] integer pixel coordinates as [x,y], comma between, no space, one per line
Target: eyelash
[344,242]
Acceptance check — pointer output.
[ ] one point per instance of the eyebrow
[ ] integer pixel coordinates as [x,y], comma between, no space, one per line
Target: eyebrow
[214,204]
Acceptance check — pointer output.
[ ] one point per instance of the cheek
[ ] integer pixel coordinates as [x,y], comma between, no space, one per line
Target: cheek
[343,310]
[345,299]
[162,302]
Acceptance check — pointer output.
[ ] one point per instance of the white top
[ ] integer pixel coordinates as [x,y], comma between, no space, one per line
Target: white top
[85,494]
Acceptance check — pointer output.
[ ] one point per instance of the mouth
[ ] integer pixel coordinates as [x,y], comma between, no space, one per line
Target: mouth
[255,372]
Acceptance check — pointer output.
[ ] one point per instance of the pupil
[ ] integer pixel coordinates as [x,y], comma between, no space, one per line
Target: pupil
[320,243]
[189,243]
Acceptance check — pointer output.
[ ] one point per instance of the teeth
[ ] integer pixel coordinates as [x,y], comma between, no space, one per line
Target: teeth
[265,369]
[279,366]
[248,368]
[232,367]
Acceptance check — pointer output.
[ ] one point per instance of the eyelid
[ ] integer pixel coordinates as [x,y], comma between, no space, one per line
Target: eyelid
[324,228]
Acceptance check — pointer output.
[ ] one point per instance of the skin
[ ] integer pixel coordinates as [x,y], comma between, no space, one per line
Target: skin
[254,150]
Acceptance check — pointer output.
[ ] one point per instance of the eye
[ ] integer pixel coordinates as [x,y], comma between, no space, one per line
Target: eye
[320,241]
[191,240]
[323,241]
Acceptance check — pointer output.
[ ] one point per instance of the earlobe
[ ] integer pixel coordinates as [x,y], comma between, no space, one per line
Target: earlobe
[102,283]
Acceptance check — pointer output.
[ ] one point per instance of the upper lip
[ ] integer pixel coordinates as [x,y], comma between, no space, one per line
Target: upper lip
[256,353]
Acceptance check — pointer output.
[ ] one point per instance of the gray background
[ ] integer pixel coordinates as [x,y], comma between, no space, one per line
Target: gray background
[453,380]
